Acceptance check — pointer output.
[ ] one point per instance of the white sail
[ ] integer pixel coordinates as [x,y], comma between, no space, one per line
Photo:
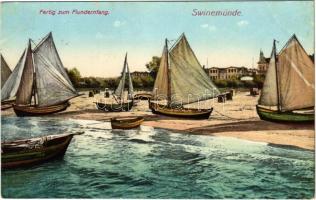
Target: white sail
[296,77]
[52,55]
[189,82]
[160,90]
[53,84]
[269,93]
[5,71]
[120,88]
[130,84]
[25,91]
[11,86]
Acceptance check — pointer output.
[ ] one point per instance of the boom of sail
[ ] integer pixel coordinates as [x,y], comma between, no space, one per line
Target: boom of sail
[181,79]
[289,82]
[119,92]
[5,71]
[41,76]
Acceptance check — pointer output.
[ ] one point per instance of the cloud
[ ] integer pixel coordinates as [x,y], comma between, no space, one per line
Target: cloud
[242,23]
[118,23]
[209,27]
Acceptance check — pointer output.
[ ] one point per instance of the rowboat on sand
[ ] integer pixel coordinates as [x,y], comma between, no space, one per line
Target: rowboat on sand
[126,122]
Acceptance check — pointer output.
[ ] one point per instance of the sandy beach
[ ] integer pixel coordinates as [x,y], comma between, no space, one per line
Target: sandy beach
[237,118]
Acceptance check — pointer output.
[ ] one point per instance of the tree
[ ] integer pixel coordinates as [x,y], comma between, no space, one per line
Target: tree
[153,65]
[259,80]
[74,76]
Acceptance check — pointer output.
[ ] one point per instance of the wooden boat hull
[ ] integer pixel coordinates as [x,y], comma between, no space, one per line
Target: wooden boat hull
[182,113]
[143,96]
[7,104]
[37,111]
[275,116]
[15,156]
[126,123]
[115,107]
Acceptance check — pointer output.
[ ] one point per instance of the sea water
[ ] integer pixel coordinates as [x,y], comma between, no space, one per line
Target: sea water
[155,163]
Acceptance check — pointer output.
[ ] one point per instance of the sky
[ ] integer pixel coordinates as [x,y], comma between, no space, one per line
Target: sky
[96,44]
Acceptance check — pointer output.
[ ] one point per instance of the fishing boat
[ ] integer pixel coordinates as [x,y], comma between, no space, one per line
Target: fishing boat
[28,152]
[126,122]
[5,71]
[121,103]
[5,74]
[288,91]
[39,83]
[181,80]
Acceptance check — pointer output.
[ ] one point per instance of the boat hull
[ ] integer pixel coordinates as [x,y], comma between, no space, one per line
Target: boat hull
[115,107]
[126,123]
[15,156]
[22,111]
[182,113]
[7,104]
[275,116]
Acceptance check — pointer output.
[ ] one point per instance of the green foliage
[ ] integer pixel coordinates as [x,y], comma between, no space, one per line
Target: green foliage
[143,82]
[220,83]
[74,76]
[234,83]
[259,80]
[153,65]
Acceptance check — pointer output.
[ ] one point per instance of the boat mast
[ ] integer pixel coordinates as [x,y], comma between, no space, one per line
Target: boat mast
[124,73]
[276,76]
[34,78]
[168,75]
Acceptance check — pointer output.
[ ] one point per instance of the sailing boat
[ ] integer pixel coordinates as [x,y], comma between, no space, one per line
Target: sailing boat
[288,91]
[5,74]
[120,104]
[5,71]
[181,80]
[39,82]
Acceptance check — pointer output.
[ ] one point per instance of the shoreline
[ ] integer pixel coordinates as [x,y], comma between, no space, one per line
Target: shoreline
[237,118]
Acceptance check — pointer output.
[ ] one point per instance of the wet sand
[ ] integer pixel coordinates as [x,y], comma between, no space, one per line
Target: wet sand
[237,118]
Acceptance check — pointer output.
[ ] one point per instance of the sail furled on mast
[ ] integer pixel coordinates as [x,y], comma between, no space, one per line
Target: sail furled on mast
[296,77]
[53,85]
[120,88]
[189,82]
[11,86]
[5,71]
[269,92]
[160,90]
[25,91]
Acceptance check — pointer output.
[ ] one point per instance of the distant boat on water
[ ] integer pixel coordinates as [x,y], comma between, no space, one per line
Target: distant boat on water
[39,83]
[181,80]
[121,104]
[288,91]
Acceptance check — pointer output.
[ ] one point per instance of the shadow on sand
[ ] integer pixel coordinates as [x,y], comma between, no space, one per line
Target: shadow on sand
[259,125]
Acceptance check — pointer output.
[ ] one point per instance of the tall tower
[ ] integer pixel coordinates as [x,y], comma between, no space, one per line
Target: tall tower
[261,58]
